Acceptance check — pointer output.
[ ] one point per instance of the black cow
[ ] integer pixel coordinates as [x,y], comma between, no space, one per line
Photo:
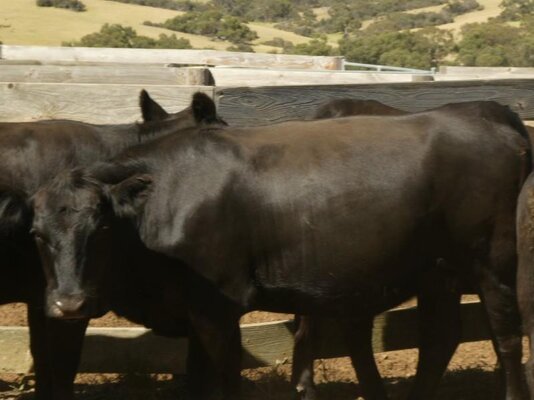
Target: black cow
[32,154]
[287,218]
[525,281]
[338,108]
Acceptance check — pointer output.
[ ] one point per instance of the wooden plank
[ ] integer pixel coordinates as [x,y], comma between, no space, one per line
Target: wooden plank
[267,105]
[459,70]
[123,350]
[163,56]
[15,354]
[253,77]
[99,104]
[126,74]
[482,77]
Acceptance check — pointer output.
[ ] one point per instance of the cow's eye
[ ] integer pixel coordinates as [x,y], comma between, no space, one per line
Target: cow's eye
[38,235]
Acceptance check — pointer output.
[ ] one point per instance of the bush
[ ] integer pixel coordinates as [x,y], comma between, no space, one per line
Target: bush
[278,42]
[496,44]
[515,10]
[74,5]
[402,21]
[210,23]
[179,5]
[266,10]
[241,47]
[422,49]
[124,36]
[315,47]
[458,7]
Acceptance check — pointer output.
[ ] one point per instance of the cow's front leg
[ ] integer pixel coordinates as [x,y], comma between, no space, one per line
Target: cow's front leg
[56,348]
[215,321]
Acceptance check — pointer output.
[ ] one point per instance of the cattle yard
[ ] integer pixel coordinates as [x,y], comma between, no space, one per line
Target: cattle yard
[102,86]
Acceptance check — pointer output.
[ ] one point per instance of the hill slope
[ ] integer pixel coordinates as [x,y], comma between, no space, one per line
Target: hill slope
[22,22]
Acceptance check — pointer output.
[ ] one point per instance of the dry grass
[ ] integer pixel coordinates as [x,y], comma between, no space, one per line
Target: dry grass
[491,9]
[22,22]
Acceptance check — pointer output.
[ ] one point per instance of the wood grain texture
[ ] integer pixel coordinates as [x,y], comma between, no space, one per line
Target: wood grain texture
[267,105]
[485,70]
[125,350]
[100,104]
[163,56]
[253,77]
[124,74]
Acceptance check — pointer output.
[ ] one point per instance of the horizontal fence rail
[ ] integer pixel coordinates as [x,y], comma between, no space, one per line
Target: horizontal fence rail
[80,55]
[247,106]
[123,350]
[94,103]
[268,105]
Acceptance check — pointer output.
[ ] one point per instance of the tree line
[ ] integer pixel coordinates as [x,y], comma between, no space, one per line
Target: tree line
[493,43]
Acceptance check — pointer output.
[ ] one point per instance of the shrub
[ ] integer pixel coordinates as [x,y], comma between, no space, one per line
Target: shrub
[422,49]
[124,36]
[74,5]
[179,5]
[210,23]
[496,44]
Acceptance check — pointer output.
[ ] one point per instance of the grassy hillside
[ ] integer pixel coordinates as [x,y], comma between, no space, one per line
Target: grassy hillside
[491,9]
[22,22]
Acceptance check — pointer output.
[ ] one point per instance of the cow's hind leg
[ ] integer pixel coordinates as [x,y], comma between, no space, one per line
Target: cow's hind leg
[496,274]
[525,273]
[525,291]
[439,330]
[359,334]
[303,357]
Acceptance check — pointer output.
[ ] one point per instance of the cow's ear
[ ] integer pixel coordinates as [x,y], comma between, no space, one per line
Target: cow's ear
[151,110]
[204,108]
[15,213]
[129,196]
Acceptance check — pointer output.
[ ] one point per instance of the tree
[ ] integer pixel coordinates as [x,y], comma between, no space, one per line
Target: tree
[515,10]
[496,44]
[124,36]
[315,47]
[210,23]
[422,49]
[74,5]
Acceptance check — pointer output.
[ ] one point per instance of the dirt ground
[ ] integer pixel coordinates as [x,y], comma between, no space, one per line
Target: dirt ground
[471,374]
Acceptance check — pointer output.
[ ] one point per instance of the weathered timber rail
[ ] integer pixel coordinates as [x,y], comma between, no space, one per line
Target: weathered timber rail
[118,350]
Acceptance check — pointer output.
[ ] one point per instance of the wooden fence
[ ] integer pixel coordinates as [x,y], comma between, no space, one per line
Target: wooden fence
[102,86]
[264,344]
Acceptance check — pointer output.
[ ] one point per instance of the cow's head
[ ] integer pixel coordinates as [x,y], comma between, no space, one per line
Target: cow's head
[15,213]
[201,111]
[78,226]
[70,218]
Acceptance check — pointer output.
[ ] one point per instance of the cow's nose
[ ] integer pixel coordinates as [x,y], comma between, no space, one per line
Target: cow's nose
[68,306]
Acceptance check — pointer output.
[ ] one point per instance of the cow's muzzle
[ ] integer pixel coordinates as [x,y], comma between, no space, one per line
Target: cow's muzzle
[67,306]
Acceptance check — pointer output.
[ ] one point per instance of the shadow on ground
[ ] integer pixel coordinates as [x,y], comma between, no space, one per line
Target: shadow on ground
[472,384]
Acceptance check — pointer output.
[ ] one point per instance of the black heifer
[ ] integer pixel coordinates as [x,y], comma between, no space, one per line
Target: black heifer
[338,108]
[306,337]
[525,273]
[288,218]
[32,154]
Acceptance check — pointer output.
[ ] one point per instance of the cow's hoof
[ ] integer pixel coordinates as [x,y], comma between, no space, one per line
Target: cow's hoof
[305,393]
